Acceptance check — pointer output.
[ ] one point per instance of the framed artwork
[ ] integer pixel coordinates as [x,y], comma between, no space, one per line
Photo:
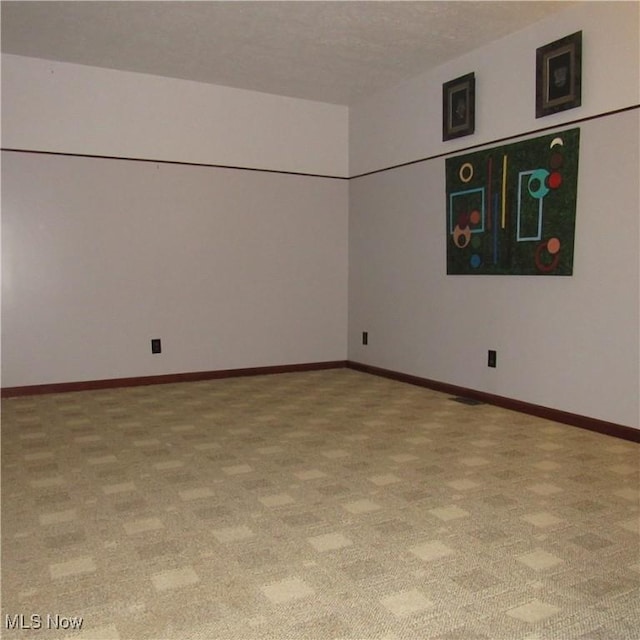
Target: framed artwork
[559,75]
[511,209]
[459,107]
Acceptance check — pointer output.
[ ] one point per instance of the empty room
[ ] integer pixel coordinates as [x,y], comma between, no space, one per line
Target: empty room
[320,320]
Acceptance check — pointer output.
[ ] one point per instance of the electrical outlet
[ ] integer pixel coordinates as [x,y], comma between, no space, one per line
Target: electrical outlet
[492,359]
[156,345]
[365,337]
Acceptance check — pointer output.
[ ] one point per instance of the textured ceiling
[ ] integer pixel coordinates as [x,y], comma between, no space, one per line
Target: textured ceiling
[334,52]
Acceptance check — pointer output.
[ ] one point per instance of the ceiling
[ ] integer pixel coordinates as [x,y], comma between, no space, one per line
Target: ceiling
[337,52]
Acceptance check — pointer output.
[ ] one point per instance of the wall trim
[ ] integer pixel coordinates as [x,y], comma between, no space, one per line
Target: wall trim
[575,420]
[556,415]
[515,136]
[113,383]
[443,154]
[176,162]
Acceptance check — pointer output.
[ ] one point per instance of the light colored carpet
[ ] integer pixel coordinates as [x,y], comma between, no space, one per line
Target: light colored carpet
[328,504]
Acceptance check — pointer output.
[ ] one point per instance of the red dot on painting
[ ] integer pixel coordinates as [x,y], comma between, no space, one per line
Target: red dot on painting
[554,180]
[463,220]
[474,217]
[556,160]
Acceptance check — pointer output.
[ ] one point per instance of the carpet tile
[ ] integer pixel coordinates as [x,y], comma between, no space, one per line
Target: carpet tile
[320,505]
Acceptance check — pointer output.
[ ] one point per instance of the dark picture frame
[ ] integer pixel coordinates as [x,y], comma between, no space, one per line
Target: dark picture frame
[459,107]
[559,75]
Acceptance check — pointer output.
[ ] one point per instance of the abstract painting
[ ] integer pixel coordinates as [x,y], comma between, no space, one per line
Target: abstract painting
[511,210]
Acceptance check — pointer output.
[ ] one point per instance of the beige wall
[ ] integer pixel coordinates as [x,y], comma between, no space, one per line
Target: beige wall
[70,108]
[569,343]
[235,268]
[230,268]
[405,123]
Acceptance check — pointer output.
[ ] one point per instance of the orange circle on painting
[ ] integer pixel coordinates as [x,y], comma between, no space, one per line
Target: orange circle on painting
[553,246]
[474,217]
[545,267]
[461,237]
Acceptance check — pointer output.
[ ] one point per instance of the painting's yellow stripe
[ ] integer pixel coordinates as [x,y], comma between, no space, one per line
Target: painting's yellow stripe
[504,191]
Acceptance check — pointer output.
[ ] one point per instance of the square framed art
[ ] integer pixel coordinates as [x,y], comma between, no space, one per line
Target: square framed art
[559,75]
[458,107]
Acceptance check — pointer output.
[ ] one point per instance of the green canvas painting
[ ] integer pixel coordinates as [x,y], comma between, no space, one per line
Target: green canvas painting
[511,210]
